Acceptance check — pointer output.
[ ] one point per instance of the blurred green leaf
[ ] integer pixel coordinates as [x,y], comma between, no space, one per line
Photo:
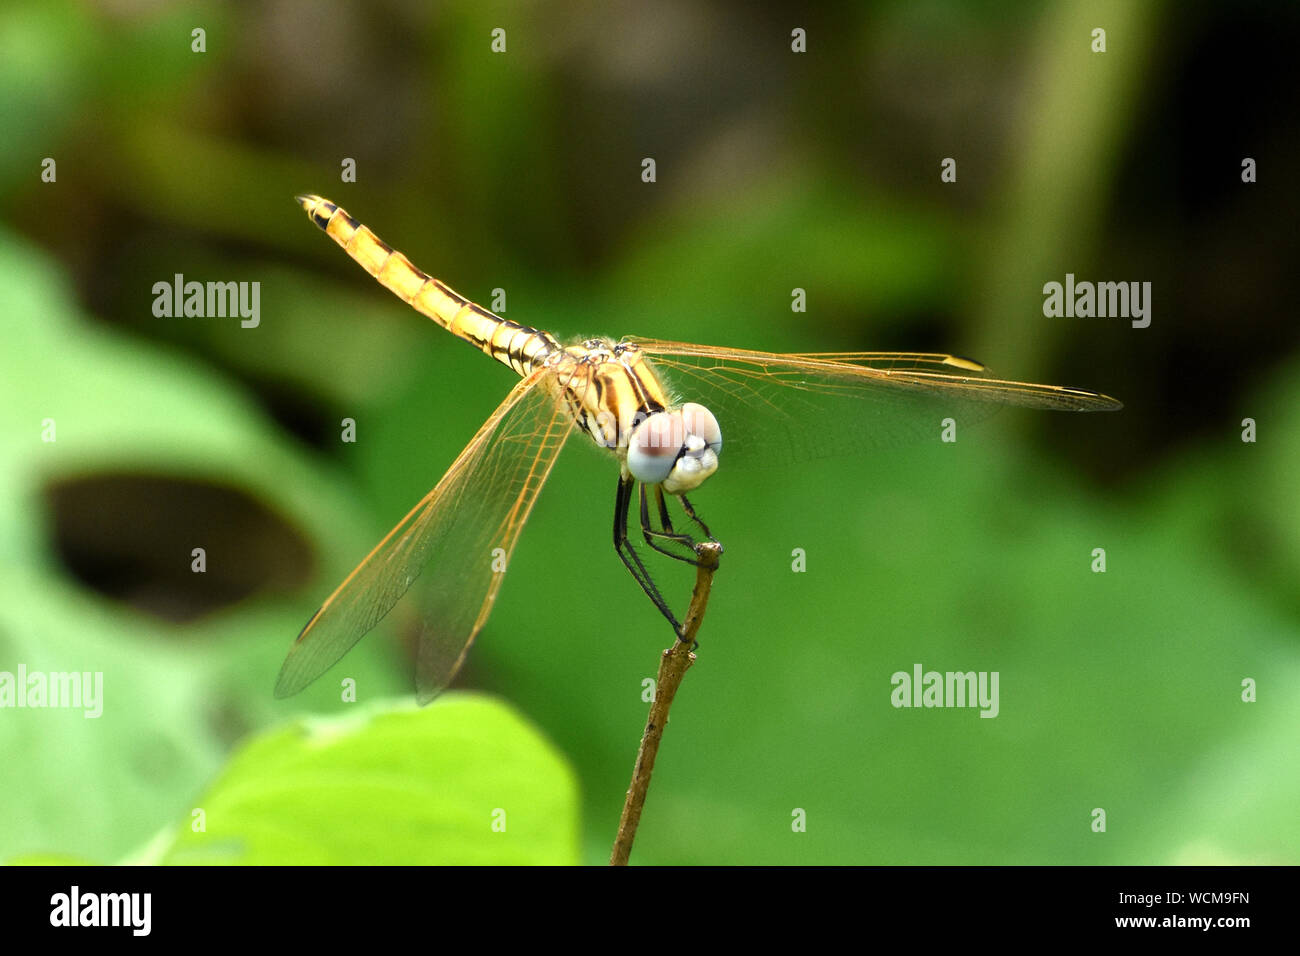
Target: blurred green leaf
[463,781]
[172,697]
[48,859]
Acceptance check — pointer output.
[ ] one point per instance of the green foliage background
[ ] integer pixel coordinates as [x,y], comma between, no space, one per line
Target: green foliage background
[775,170]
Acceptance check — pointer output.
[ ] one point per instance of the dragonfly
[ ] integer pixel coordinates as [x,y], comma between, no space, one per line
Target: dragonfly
[450,550]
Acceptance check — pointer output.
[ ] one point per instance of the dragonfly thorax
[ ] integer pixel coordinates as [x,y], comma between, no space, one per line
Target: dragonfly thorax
[677,448]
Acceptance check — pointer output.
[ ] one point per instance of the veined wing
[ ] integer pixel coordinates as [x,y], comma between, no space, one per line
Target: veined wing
[781,408]
[445,550]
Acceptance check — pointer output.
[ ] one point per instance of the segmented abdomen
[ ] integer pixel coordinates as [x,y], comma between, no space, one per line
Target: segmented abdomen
[520,347]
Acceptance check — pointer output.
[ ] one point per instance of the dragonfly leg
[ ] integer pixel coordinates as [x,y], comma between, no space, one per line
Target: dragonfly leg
[690,513]
[665,530]
[629,556]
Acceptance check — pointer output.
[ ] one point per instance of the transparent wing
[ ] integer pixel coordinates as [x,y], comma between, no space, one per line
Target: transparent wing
[777,408]
[450,551]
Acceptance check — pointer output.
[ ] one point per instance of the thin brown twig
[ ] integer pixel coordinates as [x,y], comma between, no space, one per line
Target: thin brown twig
[673,665]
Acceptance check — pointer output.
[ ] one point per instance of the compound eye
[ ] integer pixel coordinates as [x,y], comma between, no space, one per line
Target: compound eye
[654,446]
[699,422]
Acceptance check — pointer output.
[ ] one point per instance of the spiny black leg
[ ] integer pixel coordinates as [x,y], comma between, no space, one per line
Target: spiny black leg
[622,509]
[629,556]
[665,521]
[667,533]
[690,513]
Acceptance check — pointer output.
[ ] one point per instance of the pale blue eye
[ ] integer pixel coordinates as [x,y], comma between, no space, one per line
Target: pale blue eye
[652,451]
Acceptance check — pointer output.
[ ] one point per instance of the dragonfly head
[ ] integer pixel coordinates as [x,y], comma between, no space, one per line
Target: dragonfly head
[677,448]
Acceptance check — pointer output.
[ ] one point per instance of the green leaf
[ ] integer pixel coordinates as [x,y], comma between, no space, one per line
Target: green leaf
[48,859]
[464,781]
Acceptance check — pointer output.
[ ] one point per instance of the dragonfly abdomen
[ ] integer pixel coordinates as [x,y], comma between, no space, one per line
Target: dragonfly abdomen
[520,347]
